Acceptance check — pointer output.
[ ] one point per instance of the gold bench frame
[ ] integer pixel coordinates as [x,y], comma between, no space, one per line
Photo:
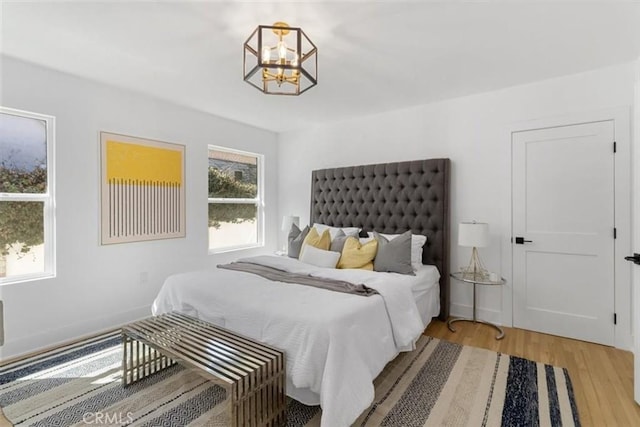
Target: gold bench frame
[252,373]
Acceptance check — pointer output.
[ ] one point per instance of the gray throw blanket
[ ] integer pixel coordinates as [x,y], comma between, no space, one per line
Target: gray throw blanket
[301,279]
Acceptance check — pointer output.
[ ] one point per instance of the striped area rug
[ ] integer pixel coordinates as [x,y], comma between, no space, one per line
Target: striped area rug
[440,383]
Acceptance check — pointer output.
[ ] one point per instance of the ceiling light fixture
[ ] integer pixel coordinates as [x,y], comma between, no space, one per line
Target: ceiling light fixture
[280,60]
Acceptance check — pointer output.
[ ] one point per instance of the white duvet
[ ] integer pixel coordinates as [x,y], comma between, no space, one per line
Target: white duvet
[335,343]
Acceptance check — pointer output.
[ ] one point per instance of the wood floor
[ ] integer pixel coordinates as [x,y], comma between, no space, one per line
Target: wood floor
[602,376]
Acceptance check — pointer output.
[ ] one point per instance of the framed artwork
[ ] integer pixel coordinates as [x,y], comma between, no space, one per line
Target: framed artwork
[142,189]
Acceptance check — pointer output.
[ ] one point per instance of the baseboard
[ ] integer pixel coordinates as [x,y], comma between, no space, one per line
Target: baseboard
[18,348]
[462,310]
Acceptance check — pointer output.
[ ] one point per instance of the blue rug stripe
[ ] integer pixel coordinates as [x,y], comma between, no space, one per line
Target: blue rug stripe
[57,351]
[111,394]
[572,398]
[41,385]
[33,368]
[32,389]
[496,369]
[521,398]
[417,401]
[299,414]
[418,352]
[552,391]
[189,410]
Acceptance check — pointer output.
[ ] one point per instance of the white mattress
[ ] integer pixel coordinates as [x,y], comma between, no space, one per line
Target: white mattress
[336,343]
[426,277]
[426,292]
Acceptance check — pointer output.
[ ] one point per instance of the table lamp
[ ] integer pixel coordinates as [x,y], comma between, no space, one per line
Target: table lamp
[474,235]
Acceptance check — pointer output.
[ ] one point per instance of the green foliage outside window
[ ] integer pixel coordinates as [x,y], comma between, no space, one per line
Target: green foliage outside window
[21,222]
[14,180]
[222,185]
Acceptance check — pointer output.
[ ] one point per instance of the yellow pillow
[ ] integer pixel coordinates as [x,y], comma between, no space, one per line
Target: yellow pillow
[357,255]
[320,241]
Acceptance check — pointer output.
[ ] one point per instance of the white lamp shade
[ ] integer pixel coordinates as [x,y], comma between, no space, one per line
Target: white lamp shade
[288,220]
[473,234]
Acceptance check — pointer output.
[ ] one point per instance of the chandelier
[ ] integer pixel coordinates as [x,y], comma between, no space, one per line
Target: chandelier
[280,60]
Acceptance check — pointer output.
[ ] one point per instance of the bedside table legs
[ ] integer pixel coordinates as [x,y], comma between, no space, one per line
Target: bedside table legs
[475,319]
[462,319]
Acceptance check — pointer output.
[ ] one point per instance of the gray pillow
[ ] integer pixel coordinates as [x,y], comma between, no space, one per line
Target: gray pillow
[337,243]
[295,239]
[394,256]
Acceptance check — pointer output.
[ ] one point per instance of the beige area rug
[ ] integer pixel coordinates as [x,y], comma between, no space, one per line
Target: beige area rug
[438,384]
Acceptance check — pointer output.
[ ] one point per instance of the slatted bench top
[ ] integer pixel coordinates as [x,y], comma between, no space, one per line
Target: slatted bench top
[252,372]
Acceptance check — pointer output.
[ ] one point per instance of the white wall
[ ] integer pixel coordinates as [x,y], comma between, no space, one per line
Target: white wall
[98,287]
[474,132]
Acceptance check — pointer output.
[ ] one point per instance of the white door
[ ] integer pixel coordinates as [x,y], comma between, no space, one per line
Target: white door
[563,209]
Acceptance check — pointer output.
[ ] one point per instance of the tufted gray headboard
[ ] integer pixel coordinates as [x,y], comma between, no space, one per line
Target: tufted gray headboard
[391,198]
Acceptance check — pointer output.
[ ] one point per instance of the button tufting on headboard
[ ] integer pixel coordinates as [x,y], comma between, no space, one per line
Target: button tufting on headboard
[391,198]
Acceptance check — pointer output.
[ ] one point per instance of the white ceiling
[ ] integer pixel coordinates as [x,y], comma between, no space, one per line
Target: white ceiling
[373,56]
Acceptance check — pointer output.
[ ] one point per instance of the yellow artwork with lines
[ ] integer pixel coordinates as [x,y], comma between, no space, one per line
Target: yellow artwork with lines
[143,194]
[143,163]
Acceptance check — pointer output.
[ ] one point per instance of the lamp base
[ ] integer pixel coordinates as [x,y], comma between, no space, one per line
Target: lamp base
[475,270]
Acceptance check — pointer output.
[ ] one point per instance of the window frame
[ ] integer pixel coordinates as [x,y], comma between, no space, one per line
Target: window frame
[258,201]
[48,198]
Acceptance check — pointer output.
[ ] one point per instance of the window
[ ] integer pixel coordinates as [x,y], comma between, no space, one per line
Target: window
[235,199]
[26,196]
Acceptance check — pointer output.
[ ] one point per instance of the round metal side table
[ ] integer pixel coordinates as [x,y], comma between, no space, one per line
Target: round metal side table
[475,282]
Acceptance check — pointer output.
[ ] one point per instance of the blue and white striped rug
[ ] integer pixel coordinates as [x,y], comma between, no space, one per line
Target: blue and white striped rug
[439,383]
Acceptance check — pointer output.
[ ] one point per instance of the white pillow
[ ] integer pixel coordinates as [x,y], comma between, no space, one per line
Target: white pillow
[333,231]
[319,257]
[417,242]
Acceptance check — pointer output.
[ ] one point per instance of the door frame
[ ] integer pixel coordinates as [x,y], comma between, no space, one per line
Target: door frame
[622,244]
[636,227]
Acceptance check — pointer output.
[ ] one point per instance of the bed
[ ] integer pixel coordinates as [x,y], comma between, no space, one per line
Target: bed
[337,343]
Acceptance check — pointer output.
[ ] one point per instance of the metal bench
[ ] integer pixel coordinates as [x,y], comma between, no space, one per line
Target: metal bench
[252,373]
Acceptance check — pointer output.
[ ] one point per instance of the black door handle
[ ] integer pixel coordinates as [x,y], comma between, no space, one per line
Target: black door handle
[522,241]
[634,259]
